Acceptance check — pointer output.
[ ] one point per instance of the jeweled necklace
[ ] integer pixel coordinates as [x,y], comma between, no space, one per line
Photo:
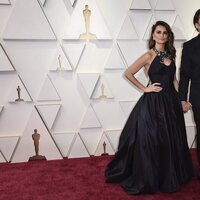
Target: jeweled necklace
[161,54]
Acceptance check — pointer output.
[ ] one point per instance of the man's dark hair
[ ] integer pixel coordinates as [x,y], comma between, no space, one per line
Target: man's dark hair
[196,18]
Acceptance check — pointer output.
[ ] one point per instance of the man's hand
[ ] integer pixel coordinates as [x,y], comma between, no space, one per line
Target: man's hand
[186,105]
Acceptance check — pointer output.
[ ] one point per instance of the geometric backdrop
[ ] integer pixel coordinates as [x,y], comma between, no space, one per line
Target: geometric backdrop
[73,90]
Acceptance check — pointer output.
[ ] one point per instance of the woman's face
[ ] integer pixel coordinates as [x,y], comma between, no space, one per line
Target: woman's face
[160,35]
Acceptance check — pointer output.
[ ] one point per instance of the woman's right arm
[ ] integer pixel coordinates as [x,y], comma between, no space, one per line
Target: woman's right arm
[142,61]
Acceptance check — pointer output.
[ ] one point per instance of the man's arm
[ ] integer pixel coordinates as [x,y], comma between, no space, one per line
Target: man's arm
[185,74]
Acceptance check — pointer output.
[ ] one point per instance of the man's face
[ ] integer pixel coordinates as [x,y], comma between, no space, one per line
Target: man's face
[197,25]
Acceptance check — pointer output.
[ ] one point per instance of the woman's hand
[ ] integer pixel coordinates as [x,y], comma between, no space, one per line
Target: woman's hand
[155,87]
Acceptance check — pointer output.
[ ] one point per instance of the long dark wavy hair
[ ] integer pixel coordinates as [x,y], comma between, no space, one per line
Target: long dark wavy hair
[169,46]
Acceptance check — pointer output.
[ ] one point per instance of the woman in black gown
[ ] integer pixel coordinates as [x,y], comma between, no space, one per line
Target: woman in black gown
[153,152]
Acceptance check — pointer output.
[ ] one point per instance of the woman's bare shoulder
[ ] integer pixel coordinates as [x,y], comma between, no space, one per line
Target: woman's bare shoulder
[148,56]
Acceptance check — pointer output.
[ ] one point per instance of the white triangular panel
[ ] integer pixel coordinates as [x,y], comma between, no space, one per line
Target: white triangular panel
[5,2]
[7,146]
[164,5]
[2,159]
[143,17]
[28,21]
[90,119]
[113,137]
[178,29]
[48,91]
[102,90]
[89,81]
[25,148]
[100,147]
[74,51]
[148,30]
[91,138]
[78,149]
[140,4]
[60,61]
[49,113]
[127,31]
[191,133]
[168,17]
[97,24]
[23,92]
[5,64]
[64,142]
[127,107]
[115,61]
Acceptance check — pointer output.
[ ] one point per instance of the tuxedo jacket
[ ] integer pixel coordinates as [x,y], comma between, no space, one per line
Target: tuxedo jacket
[190,71]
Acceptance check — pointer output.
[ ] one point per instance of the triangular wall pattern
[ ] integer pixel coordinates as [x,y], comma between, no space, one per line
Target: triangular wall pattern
[97,24]
[25,148]
[115,61]
[127,107]
[49,113]
[48,91]
[89,81]
[102,90]
[2,159]
[7,146]
[140,4]
[22,26]
[90,119]
[164,5]
[64,142]
[60,61]
[166,16]
[78,149]
[5,64]
[91,138]
[19,91]
[109,113]
[5,2]
[100,148]
[148,30]
[127,31]
[113,137]
[143,17]
[74,50]
[178,29]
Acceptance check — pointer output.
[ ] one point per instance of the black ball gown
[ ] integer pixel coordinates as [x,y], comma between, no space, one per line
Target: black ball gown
[153,152]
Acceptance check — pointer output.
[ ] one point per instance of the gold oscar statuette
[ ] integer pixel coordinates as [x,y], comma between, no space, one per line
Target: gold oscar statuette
[87,35]
[60,64]
[102,96]
[104,150]
[36,138]
[19,94]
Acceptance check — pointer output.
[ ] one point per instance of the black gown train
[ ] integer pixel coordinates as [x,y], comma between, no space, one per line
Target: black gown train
[153,152]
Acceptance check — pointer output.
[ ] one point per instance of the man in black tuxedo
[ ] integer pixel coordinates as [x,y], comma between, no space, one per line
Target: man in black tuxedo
[190,72]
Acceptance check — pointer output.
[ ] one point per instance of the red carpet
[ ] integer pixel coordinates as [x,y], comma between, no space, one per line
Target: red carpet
[74,179]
